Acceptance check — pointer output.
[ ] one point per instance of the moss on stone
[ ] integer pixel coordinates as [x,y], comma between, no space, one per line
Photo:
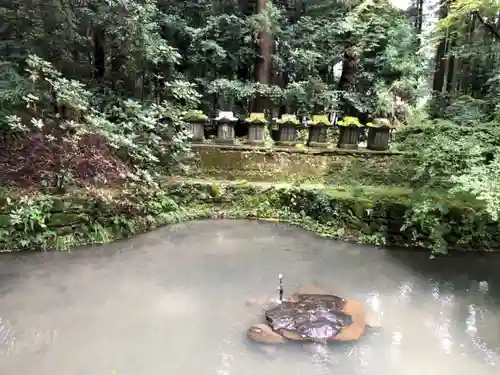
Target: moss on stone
[380,123]
[284,165]
[58,204]
[364,214]
[64,219]
[215,190]
[373,214]
[256,118]
[350,121]
[195,116]
[288,120]
[319,120]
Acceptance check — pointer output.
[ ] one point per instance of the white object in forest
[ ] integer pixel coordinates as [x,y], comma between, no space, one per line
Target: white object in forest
[227,115]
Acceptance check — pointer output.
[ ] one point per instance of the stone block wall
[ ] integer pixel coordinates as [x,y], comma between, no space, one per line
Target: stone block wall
[282,164]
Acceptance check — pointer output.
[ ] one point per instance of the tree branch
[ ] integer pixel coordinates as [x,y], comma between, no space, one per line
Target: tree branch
[487,25]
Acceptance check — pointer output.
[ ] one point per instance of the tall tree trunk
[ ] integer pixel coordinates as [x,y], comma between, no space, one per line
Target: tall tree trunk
[116,66]
[440,69]
[468,71]
[439,72]
[349,77]
[264,63]
[98,36]
[419,15]
[450,65]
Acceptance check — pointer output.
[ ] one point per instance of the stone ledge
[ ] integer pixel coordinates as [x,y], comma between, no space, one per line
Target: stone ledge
[295,150]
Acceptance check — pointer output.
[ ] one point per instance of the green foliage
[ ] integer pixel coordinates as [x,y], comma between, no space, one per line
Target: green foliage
[44,221]
[441,149]
[13,87]
[27,222]
[390,65]
[230,92]
[378,216]
[60,110]
[475,113]
[469,52]
[481,181]
[458,161]
[139,50]
[462,8]
[381,216]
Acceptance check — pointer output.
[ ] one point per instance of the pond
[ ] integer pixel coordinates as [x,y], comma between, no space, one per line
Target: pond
[173,301]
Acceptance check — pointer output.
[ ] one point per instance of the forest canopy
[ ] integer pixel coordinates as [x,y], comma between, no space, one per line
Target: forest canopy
[303,54]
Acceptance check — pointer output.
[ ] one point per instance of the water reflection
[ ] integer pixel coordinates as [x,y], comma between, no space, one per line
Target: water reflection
[174,301]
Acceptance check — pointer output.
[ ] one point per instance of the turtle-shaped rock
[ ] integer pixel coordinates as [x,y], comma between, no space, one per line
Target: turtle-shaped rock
[312,315]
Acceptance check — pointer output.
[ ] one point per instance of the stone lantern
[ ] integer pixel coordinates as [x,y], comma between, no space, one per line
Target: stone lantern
[226,121]
[349,132]
[256,128]
[318,131]
[379,134]
[195,123]
[287,130]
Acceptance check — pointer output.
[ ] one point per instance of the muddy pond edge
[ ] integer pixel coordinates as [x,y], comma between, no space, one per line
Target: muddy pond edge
[377,216]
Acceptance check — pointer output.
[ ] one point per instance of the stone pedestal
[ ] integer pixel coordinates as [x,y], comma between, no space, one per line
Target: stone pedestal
[318,131]
[225,128]
[287,130]
[198,131]
[348,137]
[256,134]
[318,136]
[287,134]
[378,139]
[195,124]
[379,134]
[256,128]
[225,133]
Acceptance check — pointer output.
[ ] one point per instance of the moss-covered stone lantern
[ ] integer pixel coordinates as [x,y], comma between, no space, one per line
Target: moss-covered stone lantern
[287,130]
[226,121]
[379,134]
[256,125]
[318,128]
[195,123]
[349,132]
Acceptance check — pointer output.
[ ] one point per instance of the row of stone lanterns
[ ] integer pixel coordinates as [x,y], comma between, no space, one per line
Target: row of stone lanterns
[378,131]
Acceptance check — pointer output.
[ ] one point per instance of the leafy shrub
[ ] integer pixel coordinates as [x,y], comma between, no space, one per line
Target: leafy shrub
[61,138]
[448,162]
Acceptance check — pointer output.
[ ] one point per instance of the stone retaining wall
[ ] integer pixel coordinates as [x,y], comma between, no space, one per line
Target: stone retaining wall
[368,215]
[333,166]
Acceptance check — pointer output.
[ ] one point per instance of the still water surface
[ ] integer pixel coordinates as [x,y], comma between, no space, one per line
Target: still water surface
[174,302]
